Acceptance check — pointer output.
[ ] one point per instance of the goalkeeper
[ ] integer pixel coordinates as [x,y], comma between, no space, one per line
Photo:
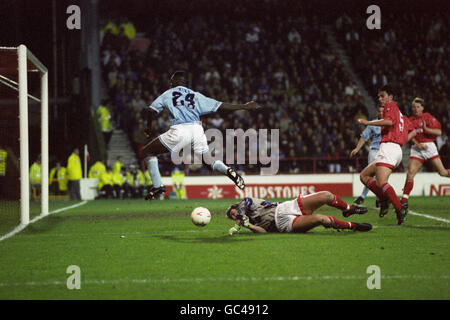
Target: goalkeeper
[293,216]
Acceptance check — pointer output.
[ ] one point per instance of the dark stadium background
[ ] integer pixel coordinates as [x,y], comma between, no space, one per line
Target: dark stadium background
[76,72]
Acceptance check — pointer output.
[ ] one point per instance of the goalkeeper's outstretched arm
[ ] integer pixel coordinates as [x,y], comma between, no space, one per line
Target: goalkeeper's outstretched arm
[256,229]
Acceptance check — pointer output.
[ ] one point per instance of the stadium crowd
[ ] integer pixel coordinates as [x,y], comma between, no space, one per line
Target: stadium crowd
[286,65]
[411,51]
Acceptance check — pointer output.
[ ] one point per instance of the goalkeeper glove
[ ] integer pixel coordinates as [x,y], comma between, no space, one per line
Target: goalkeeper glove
[234,230]
[245,222]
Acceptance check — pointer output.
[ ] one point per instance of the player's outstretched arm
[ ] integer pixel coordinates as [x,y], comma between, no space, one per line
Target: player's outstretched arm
[358,147]
[256,229]
[252,105]
[245,222]
[379,123]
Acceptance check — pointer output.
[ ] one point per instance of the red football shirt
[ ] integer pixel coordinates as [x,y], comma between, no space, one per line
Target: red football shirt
[398,132]
[431,122]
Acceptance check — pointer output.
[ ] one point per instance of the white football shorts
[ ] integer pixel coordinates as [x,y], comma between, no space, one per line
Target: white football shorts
[181,135]
[286,213]
[372,155]
[390,155]
[430,153]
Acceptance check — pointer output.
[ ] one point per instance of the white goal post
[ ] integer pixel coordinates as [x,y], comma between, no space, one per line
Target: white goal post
[27,62]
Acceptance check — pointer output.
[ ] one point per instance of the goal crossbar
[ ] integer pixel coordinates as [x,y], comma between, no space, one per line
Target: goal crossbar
[19,61]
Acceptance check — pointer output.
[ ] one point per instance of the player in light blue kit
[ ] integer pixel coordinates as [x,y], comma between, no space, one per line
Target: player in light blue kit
[372,133]
[185,107]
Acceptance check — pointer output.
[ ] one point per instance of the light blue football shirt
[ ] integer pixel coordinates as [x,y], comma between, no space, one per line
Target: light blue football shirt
[184,105]
[373,133]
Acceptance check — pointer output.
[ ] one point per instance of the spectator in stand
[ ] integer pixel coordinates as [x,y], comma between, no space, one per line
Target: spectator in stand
[304,61]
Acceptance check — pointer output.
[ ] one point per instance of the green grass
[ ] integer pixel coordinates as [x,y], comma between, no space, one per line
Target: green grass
[164,256]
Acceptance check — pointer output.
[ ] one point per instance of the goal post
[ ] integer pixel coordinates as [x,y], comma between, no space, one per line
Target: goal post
[24,63]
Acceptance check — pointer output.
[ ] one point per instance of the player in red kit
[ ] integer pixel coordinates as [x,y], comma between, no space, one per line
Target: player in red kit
[424,149]
[396,130]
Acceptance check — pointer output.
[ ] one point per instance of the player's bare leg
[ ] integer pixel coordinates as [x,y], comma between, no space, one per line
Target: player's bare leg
[305,223]
[367,177]
[382,176]
[312,202]
[153,148]
[414,166]
[149,152]
[439,167]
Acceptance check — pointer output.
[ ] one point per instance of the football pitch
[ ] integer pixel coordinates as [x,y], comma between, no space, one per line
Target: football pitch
[133,249]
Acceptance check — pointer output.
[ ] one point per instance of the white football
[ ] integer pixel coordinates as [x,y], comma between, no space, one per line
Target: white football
[200,216]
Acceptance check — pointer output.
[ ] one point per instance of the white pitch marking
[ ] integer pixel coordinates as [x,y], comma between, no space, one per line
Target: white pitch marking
[423,215]
[221,279]
[428,216]
[39,217]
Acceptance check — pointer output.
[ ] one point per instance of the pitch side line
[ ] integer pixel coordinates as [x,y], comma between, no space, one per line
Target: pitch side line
[39,217]
[428,216]
[220,279]
[423,215]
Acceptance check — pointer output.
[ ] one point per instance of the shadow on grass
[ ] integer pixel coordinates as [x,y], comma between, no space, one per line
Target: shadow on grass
[44,225]
[191,239]
[247,236]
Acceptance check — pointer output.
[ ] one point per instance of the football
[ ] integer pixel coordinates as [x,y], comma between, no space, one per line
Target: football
[200,216]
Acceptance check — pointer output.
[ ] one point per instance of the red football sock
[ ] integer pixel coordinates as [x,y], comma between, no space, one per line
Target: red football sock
[339,203]
[339,224]
[409,184]
[372,185]
[389,193]
[448,173]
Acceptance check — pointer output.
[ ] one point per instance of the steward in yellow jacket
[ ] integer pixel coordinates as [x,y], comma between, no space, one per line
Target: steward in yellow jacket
[35,178]
[74,174]
[106,183]
[118,183]
[58,179]
[117,168]
[135,180]
[3,157]
[104,119]
[178,183]
[35,173]
[96,171]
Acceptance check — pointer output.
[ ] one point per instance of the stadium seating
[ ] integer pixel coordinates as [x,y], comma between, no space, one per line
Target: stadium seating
[284,64]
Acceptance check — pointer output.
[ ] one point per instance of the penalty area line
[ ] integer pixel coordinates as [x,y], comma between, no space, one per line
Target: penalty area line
[39,217]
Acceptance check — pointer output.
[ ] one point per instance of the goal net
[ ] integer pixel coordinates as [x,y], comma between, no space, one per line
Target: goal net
[23,84]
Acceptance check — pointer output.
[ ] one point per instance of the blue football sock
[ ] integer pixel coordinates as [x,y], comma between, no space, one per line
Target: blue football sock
[153,170]
[364,193]
[220,167]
